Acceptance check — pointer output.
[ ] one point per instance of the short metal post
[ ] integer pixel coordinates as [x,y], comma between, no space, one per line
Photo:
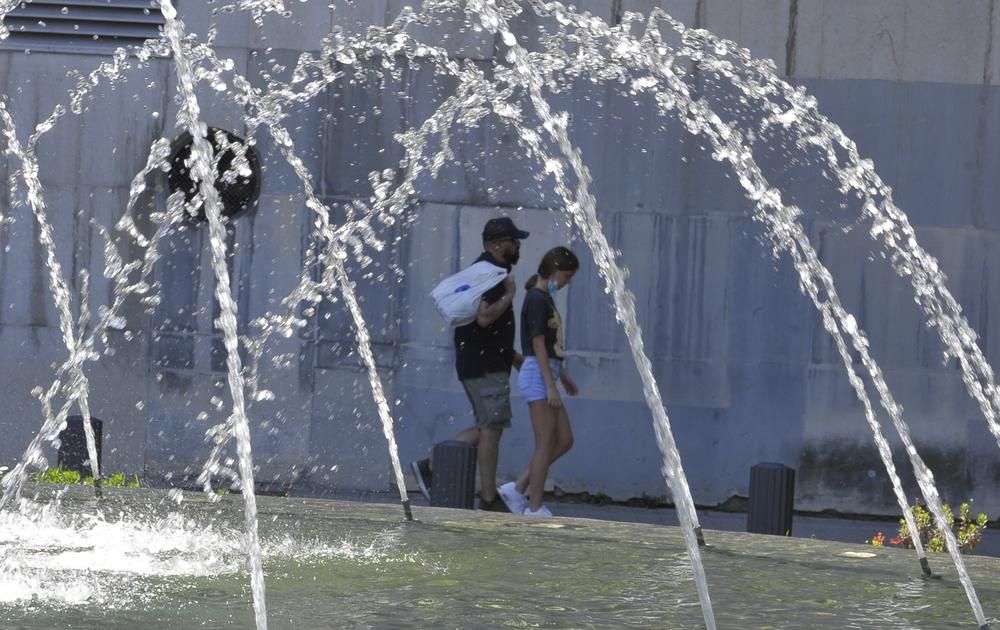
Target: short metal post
[73,453]
[772,494]
[454,466]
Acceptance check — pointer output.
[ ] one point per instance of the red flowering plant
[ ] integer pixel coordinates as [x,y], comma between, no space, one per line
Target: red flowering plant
[967,531]
[878,540]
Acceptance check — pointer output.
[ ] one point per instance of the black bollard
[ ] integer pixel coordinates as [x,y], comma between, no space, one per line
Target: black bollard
[454,466]
[772,492]
[73,453]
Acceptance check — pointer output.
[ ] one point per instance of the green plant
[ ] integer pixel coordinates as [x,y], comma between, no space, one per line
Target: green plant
[58,476]
[967,530]
[120,480]
[64,476]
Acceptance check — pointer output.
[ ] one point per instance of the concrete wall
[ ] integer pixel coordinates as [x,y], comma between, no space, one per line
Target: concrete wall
[746,370]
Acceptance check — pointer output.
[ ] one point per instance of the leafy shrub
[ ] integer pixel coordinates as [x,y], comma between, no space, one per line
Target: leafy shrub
[64,476]
[967,530]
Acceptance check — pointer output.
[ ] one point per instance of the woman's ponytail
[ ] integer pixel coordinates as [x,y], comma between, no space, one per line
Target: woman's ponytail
[531,282]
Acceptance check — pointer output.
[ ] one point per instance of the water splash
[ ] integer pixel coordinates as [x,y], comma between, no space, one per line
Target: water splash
[118,560]
[6,6]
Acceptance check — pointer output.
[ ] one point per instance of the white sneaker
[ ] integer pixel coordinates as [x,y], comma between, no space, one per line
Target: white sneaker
[516,502]
[542,511]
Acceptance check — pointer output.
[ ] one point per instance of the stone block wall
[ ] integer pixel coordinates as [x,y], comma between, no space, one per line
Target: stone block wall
[742,361]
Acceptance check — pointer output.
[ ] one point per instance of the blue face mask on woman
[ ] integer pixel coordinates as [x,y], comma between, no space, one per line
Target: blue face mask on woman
[553,286]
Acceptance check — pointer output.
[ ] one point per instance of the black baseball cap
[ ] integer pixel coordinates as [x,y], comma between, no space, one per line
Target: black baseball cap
[500,229]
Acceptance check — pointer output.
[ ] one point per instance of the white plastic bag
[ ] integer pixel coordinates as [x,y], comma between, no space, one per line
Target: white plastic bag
[457,296]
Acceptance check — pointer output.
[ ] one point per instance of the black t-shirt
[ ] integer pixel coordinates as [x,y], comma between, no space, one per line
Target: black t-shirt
[480,351]
[539,316]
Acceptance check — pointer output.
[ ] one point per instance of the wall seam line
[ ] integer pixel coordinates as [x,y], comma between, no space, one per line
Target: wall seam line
[790,42]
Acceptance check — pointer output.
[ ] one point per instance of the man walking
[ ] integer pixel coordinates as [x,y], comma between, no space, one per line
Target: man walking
[484,355]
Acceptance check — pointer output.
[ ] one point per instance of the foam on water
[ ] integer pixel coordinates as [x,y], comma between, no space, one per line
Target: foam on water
[58,559]
[54,558]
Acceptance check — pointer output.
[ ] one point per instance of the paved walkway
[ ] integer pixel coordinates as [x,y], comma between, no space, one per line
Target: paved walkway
[803,526]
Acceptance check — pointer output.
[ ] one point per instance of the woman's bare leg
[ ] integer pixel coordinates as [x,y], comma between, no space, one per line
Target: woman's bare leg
[543,424]
[560,446]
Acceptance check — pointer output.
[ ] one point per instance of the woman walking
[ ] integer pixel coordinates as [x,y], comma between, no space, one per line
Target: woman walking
[542,347]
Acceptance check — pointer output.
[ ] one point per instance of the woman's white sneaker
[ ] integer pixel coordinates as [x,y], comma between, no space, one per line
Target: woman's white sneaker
[542,511]
[516,502]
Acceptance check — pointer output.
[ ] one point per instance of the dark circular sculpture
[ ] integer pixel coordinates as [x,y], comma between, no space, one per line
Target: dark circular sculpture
[237,193]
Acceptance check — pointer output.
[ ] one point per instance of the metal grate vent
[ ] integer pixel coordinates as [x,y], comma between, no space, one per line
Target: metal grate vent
[239,192]
[82,26]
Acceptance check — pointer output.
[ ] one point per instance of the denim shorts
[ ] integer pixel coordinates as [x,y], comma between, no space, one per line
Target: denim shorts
[531,382]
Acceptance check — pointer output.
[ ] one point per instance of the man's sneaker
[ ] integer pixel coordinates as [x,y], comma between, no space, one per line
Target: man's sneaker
[516,502]
[422,473]
[496,505]
[542,511]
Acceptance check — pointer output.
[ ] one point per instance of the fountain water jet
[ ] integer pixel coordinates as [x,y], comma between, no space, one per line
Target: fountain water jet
[203,173]
[77,379]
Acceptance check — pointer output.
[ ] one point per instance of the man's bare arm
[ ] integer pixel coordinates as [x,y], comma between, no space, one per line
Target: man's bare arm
[489,313]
